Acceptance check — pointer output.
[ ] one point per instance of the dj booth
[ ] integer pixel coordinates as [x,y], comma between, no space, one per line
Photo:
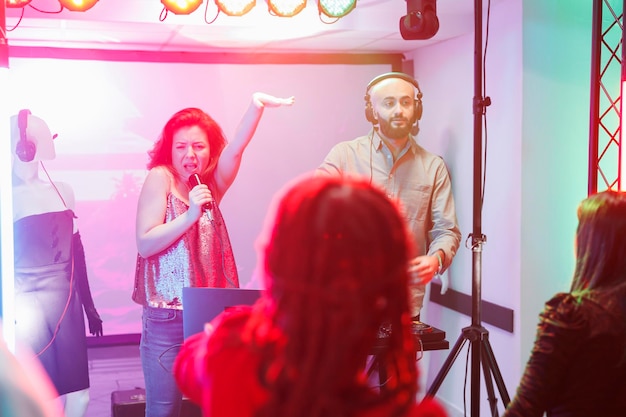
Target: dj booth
[426,338]
[430,338]
[204,304]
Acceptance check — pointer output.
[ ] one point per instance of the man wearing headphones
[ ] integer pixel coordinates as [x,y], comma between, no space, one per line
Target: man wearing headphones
[418,180]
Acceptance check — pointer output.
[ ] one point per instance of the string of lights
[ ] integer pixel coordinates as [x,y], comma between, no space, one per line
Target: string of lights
[72,5]
[420,22]
[282,8]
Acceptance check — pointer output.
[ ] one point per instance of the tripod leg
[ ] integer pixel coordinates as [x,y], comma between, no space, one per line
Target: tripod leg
[476,349]
[491,360]
[446,366]
[491,397]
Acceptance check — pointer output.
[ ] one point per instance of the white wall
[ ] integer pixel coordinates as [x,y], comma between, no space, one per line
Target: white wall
[537,75]
[557,62]
[108,114]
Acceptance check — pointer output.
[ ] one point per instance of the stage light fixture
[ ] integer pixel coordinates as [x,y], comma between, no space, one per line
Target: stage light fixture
[421,20]
[4,64]
[16,3]
[235,7]
[181,6]
[78,5]
[336,8]
[286,8]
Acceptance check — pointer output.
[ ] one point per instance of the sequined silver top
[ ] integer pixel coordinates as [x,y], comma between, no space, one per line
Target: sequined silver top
[202,257]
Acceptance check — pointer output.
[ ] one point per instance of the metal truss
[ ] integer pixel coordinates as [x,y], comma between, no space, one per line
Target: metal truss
[607,73]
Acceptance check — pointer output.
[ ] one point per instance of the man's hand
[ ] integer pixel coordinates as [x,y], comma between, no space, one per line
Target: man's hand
[422,269]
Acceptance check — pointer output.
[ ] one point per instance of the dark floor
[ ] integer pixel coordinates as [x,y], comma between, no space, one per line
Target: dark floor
[112,368]
[118,368]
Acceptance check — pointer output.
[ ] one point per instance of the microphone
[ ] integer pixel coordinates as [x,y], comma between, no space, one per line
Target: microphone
[194,180]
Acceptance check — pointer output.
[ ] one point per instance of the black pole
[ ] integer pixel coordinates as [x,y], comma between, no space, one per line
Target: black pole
[479,111]
[476,334]
[477,238]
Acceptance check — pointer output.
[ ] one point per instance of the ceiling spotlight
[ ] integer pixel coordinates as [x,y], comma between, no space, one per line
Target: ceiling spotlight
[181,6]
[78,5]
[336,8]
[421,20]
[235,7]
[286,8]
[16,3]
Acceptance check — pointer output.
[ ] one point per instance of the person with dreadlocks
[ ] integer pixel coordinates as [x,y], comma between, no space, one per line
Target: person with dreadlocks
[335,267]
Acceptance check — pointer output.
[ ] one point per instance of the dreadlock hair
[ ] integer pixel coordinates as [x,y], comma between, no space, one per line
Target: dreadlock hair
[161,153]
[601,242]
[335,266]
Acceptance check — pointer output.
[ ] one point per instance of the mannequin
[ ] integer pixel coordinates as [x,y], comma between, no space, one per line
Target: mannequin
[51,286]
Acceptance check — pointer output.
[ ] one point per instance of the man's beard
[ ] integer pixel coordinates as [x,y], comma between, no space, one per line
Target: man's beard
[394,132]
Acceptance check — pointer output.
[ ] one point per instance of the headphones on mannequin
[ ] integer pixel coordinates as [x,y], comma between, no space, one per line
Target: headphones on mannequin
[417,111]
[25,149]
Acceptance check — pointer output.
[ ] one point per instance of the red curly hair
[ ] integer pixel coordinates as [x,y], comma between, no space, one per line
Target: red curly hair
[335,266]
[161,153]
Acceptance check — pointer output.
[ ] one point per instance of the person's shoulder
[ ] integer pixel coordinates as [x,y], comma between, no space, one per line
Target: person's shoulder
[65,189]
[420,150]
[229,331]
[159,171]
[235,315]
[220,331]
[567,309]
[349,146]
[232,320]
[433,161]
[159,176]
[354,142]
[362,138]
[562,302]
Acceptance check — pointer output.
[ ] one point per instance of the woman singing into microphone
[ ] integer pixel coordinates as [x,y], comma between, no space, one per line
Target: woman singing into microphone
[178,246]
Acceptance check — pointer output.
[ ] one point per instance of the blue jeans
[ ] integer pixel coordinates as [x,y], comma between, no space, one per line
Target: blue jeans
[161,338]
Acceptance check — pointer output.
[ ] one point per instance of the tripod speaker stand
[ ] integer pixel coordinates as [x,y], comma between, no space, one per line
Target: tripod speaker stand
[478,336]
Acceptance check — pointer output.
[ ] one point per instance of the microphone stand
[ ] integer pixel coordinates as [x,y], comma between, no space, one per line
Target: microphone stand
[476,334]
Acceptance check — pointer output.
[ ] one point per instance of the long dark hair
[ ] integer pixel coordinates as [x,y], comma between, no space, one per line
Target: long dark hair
[601,242]
[336,269]
[161,153]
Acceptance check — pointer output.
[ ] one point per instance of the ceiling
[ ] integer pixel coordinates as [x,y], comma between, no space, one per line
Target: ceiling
[372,27]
